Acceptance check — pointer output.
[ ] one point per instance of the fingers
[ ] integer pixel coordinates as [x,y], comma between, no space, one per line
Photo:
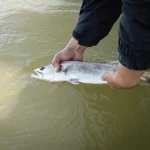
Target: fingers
[56,62]
[62,82]
[50,82]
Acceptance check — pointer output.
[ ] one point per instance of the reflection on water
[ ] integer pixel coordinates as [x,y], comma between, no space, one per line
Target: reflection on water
[35,115]
[9,89]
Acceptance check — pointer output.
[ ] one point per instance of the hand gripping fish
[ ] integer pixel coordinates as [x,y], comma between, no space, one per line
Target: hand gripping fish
[77,71]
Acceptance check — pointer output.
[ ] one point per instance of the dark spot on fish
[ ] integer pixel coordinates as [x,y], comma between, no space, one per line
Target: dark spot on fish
[42,68]
[65,70]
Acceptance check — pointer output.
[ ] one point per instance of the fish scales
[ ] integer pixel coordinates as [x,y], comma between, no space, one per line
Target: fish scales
[78,71]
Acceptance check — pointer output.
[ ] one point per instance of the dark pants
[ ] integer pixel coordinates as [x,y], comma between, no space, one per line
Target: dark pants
[97,18]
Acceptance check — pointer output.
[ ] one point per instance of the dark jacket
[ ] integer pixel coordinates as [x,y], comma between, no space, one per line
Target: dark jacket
[97,18]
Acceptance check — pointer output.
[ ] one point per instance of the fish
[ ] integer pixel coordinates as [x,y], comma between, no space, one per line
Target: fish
[77,72]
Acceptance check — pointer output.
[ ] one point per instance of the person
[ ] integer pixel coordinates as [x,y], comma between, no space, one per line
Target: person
[95,22]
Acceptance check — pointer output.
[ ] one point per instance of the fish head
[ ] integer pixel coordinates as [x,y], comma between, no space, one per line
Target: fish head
[45,73]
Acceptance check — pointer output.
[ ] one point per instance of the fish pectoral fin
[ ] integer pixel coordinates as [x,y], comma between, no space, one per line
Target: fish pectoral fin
[74,81]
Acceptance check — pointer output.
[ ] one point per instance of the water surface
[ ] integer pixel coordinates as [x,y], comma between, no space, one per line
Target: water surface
[35,115]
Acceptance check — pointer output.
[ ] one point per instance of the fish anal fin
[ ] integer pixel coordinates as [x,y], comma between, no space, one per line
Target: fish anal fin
[74,81]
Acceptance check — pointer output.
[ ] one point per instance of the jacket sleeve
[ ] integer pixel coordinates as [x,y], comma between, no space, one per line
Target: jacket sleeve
[96,20]
[134,35]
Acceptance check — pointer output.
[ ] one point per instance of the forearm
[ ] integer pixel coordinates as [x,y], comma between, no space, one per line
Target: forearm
[96,20]
[73,45]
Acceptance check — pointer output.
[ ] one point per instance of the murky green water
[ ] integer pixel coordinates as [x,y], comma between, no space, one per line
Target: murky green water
[35,115]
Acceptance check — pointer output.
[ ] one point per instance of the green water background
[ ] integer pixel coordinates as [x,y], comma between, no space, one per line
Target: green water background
[35,115]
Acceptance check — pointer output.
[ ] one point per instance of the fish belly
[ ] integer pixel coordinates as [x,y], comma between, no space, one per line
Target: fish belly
[92,79]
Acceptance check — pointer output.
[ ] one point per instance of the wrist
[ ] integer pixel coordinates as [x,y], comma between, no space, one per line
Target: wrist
[73,45]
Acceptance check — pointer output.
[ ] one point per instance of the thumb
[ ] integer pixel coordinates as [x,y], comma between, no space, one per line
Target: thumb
[108,76]
[56,62]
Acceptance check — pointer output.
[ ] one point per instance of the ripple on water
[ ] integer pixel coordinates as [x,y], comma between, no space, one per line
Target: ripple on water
[10,7]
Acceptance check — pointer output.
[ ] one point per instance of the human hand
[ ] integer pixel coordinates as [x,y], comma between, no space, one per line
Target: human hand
[72,51]
[66,55]
[123,78]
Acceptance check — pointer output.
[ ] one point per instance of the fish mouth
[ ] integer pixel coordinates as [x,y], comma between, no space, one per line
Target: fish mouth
[37,74]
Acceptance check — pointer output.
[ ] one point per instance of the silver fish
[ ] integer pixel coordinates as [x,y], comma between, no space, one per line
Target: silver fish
[76,72]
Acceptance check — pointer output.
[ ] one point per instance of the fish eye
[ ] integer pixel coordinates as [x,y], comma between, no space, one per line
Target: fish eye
[42,68]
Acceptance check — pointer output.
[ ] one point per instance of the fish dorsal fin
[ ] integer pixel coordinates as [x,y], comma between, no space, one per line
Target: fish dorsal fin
[74,81]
